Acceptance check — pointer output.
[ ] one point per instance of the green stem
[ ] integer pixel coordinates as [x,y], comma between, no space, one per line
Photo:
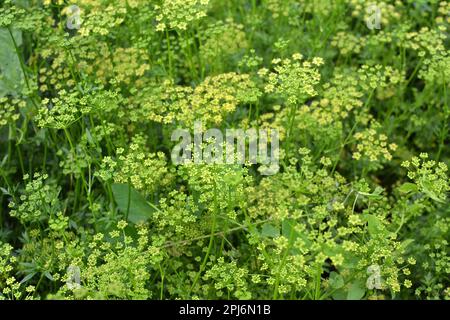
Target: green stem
[169,54]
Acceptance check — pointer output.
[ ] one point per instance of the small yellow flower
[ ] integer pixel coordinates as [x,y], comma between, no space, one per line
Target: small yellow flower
[297,56]
[122,224]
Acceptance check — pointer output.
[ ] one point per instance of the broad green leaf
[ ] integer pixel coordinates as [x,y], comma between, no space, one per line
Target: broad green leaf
[356,291]
[408,187]
[350,261]
[11,75]
[339,294]
[378,191]
[287,227]
[125,195]
[374,224]
[270,231]
[336,281]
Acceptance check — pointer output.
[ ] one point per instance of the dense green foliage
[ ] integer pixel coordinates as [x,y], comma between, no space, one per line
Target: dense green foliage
[92,207]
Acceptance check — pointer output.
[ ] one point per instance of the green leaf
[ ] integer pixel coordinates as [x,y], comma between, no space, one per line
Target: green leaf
[375,226]
[427,187]
[378,191]
[48,276]
[339,294]
[375,194]
[405,244]
[28,277]
[408,187]
[350,261]
[139,210]
[270,231]
[287,227]
[336,281]
[356,291]
[11,75]
[89,137]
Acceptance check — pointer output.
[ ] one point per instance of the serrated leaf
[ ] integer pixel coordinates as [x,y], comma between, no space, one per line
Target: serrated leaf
[270,231]
[125,195]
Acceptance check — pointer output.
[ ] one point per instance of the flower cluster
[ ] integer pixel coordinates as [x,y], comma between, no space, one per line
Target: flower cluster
[373,145]
[210,101]
[293,79]
[390,11]
[178,14]
[355,208]
[38,201]
[430,177]
[145,171]
[100,22]
[222,40]
[61,112]
[8,110]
